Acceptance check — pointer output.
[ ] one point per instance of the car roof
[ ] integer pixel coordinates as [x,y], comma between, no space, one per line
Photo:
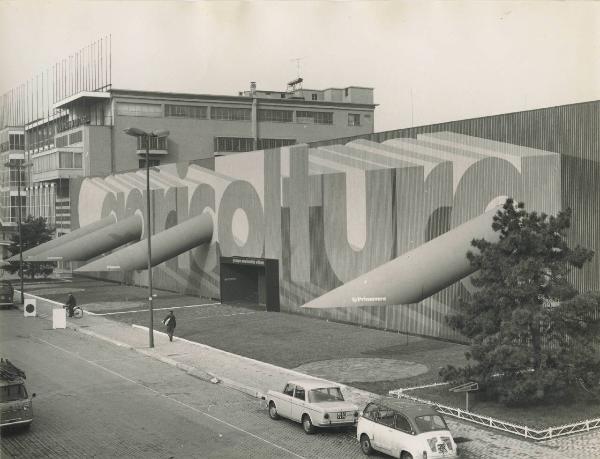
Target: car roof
[309,384]
[406,407]
[12,382]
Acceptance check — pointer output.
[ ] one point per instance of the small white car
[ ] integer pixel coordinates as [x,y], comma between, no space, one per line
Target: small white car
[401,429]
[313,403]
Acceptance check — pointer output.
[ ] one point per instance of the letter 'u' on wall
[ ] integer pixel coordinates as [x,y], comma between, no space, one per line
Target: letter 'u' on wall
[349,262]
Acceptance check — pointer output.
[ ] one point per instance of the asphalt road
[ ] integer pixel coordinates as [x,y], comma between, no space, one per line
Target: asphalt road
[95,399]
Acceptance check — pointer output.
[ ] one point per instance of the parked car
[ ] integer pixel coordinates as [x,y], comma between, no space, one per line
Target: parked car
[7,293]
[312,402]
[401,429]
[15,404]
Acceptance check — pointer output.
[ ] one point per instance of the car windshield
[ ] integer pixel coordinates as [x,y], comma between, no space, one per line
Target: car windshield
[5,287]
[326,394]
[12,393]
[430,422]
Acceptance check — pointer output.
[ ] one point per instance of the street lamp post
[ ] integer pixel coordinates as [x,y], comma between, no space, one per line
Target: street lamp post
[139,133]
[20,232]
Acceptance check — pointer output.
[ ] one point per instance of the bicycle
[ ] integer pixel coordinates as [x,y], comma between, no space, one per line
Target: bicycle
[77,312]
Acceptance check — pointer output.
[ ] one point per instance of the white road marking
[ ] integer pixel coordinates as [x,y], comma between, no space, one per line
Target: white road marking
[146,310]
[214,418]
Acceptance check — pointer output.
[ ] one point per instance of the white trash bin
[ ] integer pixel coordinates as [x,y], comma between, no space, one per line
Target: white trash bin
[59,318]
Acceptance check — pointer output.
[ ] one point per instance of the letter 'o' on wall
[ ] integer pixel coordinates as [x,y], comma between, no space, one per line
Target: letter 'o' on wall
[233,228]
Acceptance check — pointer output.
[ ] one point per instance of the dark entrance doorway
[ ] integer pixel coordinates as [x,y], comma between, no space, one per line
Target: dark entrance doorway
[250,281]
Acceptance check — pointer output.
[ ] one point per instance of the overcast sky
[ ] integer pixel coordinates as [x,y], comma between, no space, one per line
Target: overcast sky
[427,61]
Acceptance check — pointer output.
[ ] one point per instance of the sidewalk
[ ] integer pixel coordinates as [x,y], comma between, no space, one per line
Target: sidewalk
[255,378]
[247,375]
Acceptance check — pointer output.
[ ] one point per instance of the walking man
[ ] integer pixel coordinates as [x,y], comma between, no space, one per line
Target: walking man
[170,322]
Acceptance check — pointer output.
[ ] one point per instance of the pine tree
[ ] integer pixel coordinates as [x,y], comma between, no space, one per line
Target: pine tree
[35,232]
[532,336]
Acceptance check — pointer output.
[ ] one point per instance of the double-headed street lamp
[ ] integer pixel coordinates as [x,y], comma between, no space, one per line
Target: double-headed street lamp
[135,132]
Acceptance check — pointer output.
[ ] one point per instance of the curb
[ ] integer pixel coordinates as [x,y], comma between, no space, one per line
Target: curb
[190,370]
[259,362]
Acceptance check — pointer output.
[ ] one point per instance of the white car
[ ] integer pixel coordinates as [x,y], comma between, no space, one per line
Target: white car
[401,429]
[312,402]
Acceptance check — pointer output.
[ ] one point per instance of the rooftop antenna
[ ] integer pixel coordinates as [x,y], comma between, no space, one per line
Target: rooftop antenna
[298,59]
[294,87]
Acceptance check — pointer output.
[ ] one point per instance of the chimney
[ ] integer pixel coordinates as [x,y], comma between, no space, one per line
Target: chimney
[253,88]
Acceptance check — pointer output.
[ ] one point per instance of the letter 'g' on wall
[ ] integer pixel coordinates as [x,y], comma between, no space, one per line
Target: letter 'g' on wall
[241,195]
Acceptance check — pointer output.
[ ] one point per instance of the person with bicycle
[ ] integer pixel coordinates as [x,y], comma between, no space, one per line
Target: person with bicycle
[70,304]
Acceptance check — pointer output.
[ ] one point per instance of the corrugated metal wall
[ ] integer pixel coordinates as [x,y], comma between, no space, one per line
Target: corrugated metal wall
[390,198]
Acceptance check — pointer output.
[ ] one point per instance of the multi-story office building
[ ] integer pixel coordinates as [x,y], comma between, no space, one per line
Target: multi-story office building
[85,135]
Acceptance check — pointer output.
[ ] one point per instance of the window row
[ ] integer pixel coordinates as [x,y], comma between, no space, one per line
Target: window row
[265,144]
[15,142]
[58,160]
[156,143]
[70,139]
[353,119]
[230,113]
[186,111]
[314,117]
[9,177]
[9,207]
[241,144]
[278,116]
[233,144]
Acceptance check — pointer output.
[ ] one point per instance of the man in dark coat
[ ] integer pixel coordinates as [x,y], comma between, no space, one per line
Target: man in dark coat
[171,323]
[70,304]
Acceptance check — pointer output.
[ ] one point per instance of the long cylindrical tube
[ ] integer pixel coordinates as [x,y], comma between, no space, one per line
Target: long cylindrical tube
[165,245]
[417,274]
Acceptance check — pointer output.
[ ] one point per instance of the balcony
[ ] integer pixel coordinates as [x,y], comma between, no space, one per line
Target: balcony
[158,145]
[8,146]
[72,124]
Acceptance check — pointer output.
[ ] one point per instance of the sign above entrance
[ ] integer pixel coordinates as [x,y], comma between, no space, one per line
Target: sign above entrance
[247,261]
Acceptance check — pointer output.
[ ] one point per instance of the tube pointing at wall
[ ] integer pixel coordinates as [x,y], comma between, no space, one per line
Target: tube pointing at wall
[30,255]
[96,243]
[417,274]
[165,245]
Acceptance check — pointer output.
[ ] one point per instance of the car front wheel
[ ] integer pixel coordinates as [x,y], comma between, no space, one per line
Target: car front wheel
[365,444]
[307,424]
[406,455]
[273,411]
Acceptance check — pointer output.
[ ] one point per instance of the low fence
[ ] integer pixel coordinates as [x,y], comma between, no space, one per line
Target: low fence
[497,424]
[43,305]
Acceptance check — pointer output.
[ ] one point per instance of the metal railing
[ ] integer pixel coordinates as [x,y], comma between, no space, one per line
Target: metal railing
[497,424]
[6,146]
[72,124]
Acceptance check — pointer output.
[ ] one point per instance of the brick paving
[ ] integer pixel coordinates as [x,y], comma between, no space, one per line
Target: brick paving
[256,377]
